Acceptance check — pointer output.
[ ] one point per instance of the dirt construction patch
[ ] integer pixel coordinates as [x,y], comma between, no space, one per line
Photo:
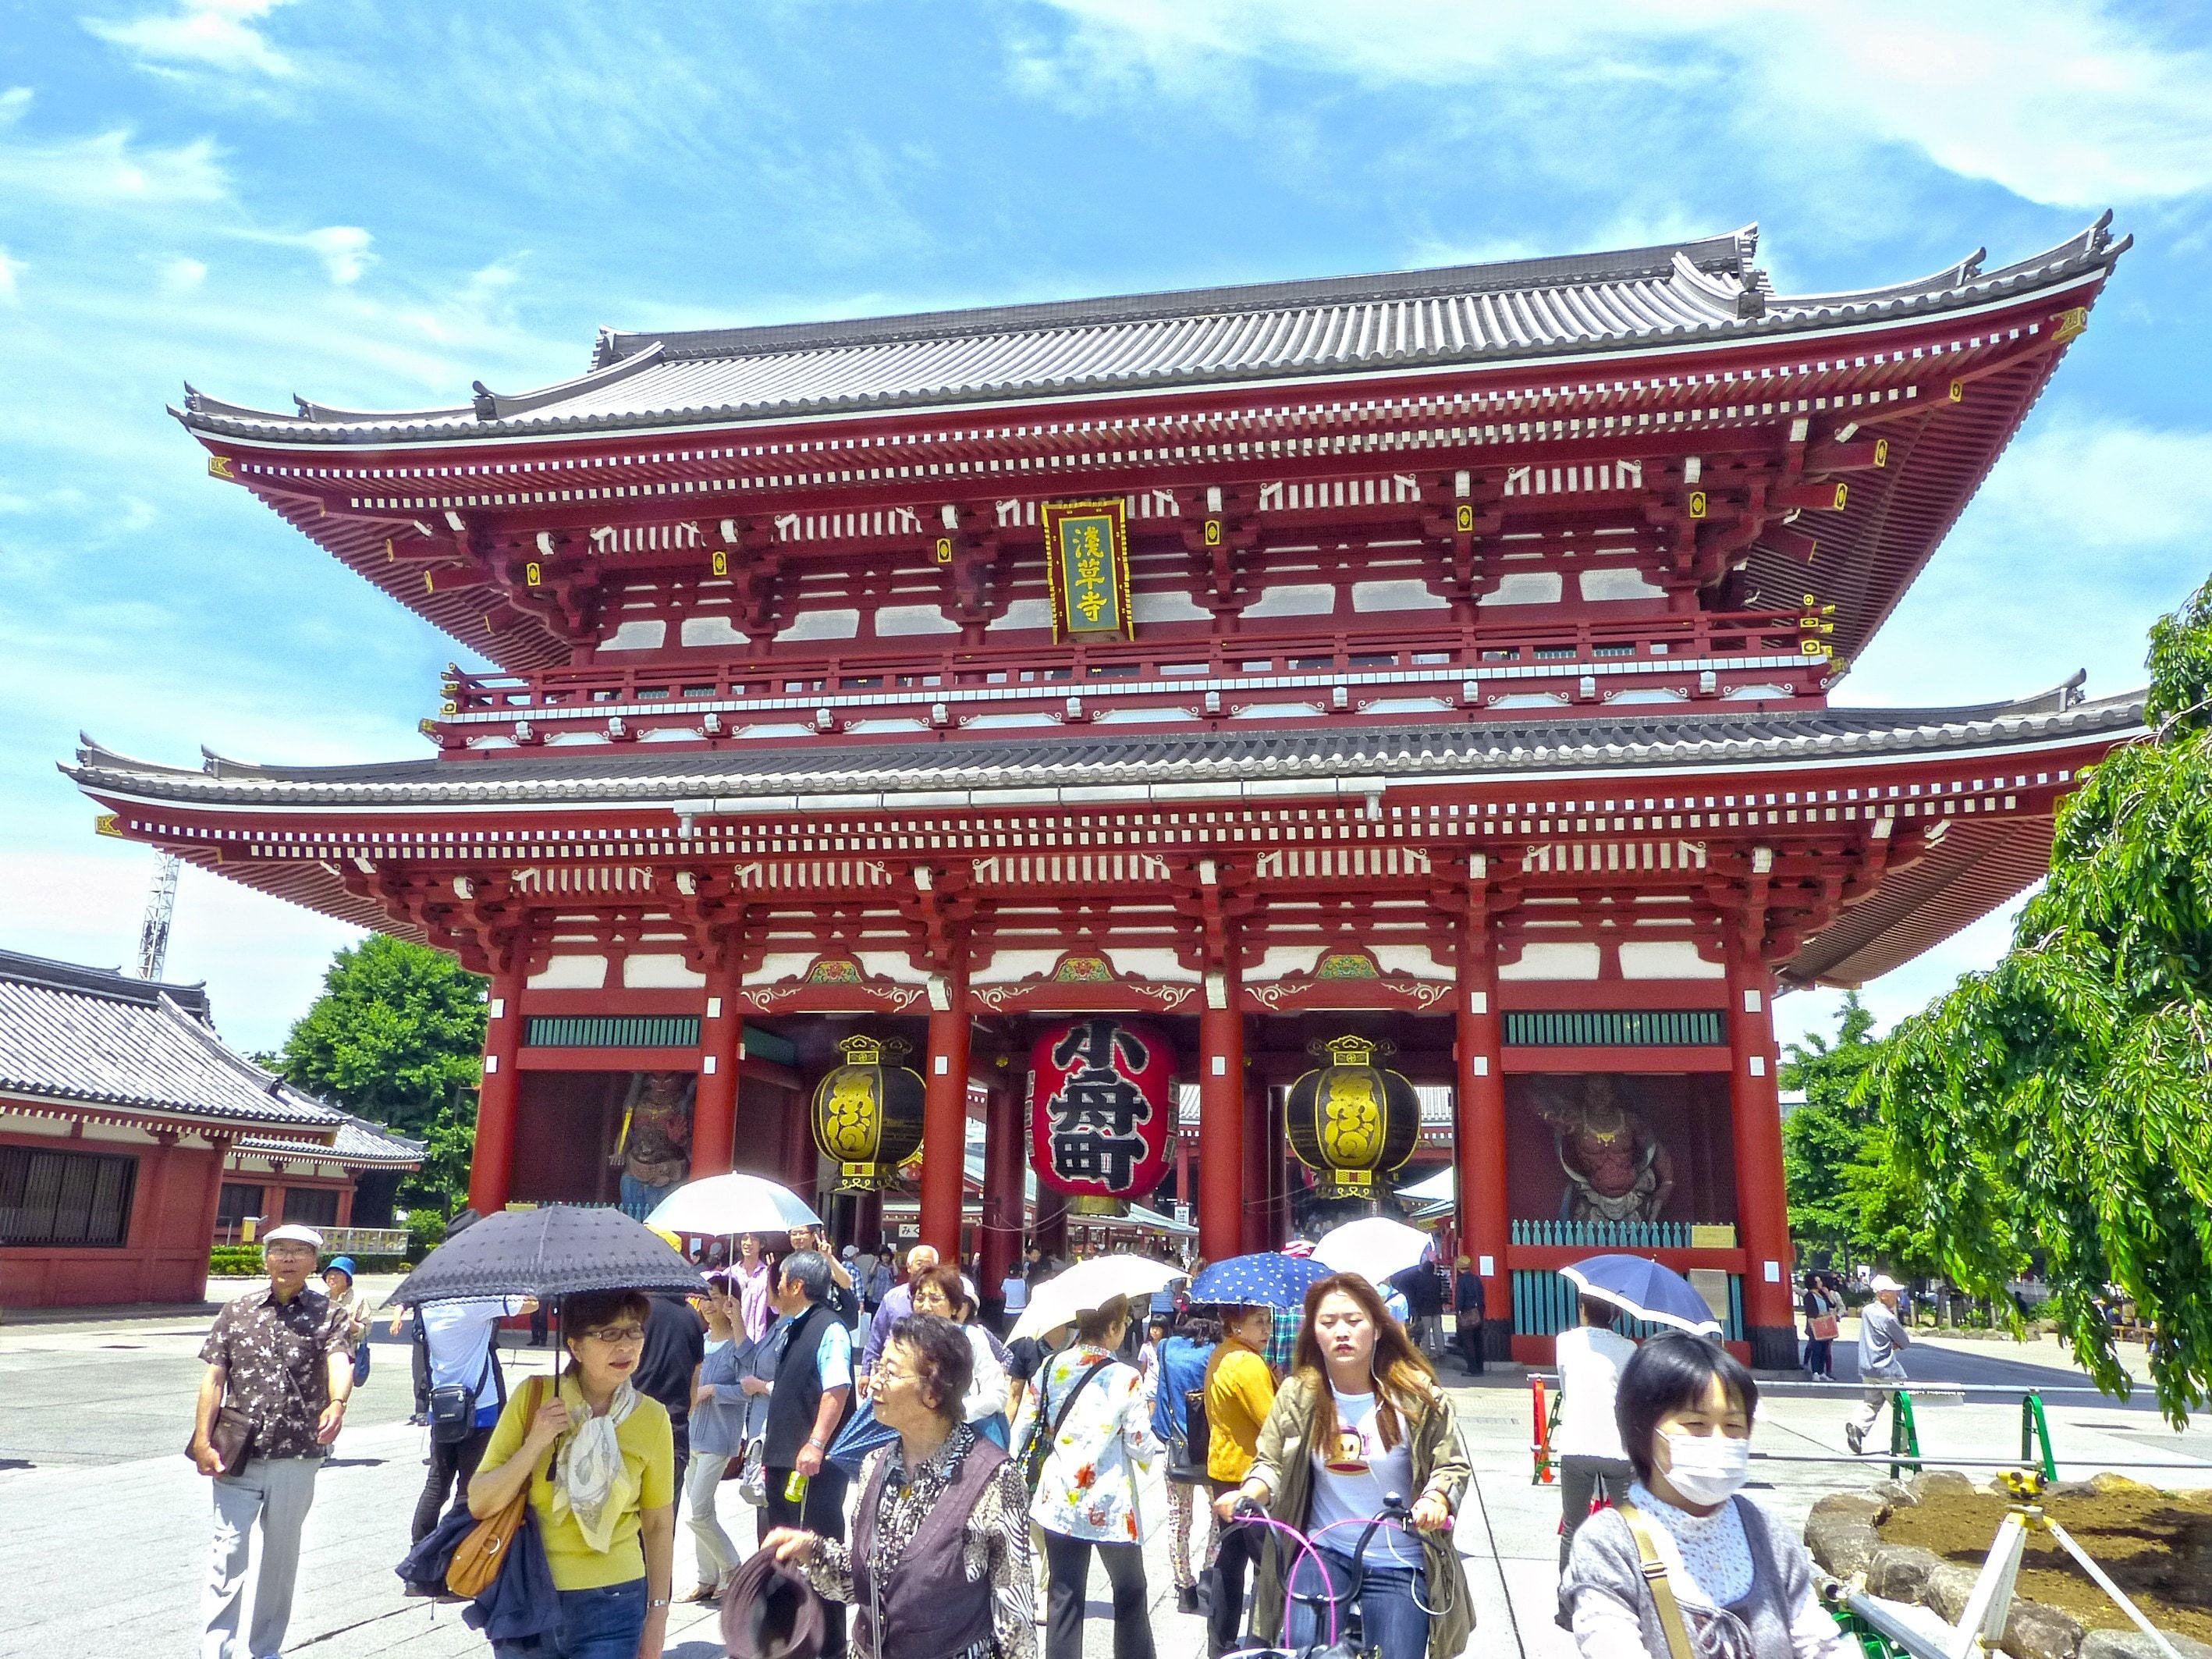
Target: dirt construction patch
[2157,1546]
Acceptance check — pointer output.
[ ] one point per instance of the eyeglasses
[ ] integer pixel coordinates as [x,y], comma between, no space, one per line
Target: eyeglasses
[614,1334]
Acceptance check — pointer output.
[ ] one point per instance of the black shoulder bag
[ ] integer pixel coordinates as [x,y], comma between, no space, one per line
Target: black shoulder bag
[453,1408]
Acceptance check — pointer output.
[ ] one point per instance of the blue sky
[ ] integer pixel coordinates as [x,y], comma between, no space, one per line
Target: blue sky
[374,204]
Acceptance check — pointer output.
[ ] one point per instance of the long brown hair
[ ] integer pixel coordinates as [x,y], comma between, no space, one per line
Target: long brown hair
[1404,1378]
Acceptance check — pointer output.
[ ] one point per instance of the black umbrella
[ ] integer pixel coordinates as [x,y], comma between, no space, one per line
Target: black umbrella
[547,1252]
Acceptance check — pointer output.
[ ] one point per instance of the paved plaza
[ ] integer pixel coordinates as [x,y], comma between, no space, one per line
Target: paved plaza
[105,1525]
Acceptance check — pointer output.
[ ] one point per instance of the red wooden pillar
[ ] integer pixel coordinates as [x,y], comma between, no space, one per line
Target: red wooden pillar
[1050,1233]
[722,1063]
[944,1118]
[193,1284]
[1484,1221]
[801,1160]
[1258,1187]
[1221,1119]
[345,1205]
[157,1173]
[1762,1206]
[491,1171]
[1005,1162]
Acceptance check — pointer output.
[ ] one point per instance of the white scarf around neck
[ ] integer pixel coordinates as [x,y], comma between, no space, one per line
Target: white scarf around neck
[590,1477]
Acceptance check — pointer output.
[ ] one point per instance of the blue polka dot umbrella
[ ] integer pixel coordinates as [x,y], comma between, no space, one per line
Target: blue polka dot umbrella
[1643,1289]
[1265,1280]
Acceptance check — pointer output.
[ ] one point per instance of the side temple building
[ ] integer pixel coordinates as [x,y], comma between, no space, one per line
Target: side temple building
[1440,657]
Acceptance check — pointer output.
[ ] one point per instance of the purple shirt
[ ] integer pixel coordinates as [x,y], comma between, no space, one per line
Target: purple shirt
[897,1303]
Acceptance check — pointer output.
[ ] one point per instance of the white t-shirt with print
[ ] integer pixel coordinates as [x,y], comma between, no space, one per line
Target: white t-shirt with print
[1346,1493]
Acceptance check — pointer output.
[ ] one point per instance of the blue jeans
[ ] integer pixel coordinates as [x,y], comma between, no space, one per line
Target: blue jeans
[1391,1620]
[595,1623]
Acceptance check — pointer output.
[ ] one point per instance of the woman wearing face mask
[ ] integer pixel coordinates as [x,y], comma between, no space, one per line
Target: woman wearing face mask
[1735,1585]
[1361,1418]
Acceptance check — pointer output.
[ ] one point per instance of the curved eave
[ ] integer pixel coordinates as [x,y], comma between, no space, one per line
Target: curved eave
[968,773]
[2087,254]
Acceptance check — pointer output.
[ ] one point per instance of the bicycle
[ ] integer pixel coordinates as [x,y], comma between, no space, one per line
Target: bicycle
[1345,1639]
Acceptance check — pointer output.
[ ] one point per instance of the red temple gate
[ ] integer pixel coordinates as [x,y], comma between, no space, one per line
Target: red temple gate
[1454,672]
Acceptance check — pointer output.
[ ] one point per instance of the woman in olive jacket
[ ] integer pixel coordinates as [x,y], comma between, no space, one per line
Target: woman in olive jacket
[1350,1347]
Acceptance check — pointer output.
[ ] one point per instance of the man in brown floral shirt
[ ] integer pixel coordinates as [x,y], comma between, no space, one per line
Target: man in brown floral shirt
[281,1357]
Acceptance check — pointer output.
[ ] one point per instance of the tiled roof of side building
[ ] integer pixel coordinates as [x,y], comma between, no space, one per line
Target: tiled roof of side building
[91,1037]
[357,1142]
[971,770]
[1702,291]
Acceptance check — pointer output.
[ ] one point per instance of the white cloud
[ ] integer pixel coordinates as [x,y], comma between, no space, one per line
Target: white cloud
[10,269]
[112,169]
[2058,101]
[182,274]
[218,35]
[343,250]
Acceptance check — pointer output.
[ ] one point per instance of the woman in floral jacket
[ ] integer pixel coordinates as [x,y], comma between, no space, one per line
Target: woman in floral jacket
[1100,1422]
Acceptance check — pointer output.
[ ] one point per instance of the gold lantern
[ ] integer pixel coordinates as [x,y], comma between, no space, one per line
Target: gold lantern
[867,1114]
[1351,1122]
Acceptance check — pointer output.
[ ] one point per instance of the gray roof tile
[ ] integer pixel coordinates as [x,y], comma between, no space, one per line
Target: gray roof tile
[83,1034]
[1706,291]
[847,775]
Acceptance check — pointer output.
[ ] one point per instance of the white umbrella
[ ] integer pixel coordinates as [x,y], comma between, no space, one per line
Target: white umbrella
[721,1206]
[1374,1247]
[1090,1285]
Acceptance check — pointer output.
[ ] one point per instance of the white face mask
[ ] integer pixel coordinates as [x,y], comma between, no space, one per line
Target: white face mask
[1706,1468]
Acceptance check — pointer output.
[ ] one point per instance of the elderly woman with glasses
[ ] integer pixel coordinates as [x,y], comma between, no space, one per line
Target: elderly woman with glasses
[938,1566]
[941,1291]
[599,1460]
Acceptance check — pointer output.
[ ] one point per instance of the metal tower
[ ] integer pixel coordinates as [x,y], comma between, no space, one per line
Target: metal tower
[160,905]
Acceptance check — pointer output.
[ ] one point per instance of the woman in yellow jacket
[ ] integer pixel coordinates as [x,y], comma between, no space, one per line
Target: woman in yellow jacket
[1240,1391]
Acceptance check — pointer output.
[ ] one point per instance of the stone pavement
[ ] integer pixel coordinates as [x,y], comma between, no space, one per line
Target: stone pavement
[103,1526]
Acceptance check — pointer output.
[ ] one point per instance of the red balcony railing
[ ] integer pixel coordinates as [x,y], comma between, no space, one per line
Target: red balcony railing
[879,687]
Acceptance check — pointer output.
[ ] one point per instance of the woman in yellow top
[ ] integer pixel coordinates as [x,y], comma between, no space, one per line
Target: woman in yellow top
[605,1498]
[1240,1389]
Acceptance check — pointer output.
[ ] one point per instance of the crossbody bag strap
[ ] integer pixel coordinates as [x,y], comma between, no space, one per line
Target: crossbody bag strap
[1068,1404]
[1663,1588]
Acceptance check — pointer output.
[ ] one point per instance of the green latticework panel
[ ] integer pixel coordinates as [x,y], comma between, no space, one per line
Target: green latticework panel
[1663,1028]
[612,1031]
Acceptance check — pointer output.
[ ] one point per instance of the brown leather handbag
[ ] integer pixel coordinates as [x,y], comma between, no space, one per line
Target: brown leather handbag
[478,1557]
[232,1437]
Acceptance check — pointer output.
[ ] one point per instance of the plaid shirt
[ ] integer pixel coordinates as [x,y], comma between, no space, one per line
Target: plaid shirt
[1283,1339]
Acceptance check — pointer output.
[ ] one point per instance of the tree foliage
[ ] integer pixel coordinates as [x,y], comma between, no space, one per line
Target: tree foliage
[2061,1102]
[397,1037]
[1845,1192]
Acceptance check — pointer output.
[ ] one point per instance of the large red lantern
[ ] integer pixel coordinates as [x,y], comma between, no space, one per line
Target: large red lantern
[1101,1110]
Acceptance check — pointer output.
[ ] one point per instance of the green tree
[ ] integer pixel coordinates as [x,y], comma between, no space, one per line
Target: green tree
[397,1037]
[2061,1102]
[1846,1193]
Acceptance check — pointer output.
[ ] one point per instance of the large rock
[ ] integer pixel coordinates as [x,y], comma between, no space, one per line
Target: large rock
[1901,1572]
[1941,1483]
[1840,1532]
[2036,1631]
[1949,1587]
[2134,1644]
[1895,1494]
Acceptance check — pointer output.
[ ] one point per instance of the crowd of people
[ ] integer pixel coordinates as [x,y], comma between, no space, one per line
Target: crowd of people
[947,1493]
